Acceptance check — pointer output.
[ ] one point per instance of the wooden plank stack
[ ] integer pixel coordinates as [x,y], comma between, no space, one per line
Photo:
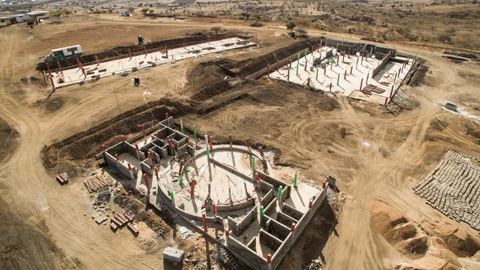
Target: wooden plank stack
[96,182]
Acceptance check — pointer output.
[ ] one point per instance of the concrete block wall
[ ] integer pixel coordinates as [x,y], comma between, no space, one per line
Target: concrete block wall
[145,167]
[382,64]
[269,240]
[247,255]
[267,198]
[272,181]
[234,207]
[252,244]
[286,219]
[291,211]
[300,226]
[239,227]
[285,193]
[277,229]
[118,149]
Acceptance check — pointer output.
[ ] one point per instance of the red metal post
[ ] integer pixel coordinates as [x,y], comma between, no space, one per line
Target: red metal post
[53,84]
[214,210]
[204,218]
[79,64]
[59,67]
[96,59]
[145,50]
[48,67]
[361,82]
[130,53]
[166,51]
[192,188]
[211,143]
[146,180]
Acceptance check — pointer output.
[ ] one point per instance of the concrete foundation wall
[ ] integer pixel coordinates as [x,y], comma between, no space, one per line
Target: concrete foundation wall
[132,150]
[252,244]
[285,193]
[239,227]
[254,76]
[118,149]
[265,187]
[248,256]
[234,207]
[278,229]
[272,181]
[267,198]
[269,240]
[286,219]
[146,168]
[382,64]
[302,223]
[294,213]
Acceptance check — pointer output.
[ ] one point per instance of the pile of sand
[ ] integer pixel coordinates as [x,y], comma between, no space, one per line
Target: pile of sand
[456,239]
[422,250]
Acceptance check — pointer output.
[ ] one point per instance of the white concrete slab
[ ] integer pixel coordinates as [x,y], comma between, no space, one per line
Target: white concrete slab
[109,68]
[344,74]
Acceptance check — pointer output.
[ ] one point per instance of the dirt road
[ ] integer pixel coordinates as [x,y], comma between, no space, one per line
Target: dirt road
[377,156]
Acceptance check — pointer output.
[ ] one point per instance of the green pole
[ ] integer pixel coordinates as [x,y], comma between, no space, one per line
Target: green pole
[208,152]
[298,62]
[181,181]
[338,79]
[253,163]
[298,57]
[317,75]
[261,211]
[295,181]
[195,134]
[395,81]
[288,76]
[306,52]
[172,195]
[280,191]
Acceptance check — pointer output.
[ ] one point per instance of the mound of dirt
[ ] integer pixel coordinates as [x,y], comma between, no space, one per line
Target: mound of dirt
[424,249]
[456,239]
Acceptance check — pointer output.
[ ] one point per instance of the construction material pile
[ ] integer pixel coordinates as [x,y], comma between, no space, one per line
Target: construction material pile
[96,182]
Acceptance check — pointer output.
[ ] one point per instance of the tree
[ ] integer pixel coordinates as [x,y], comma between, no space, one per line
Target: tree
[145,10]
[302,32]
[57,14]
[291,25]
[216,29]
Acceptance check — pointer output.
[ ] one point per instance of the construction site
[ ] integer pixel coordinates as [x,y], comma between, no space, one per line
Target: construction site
[185,145]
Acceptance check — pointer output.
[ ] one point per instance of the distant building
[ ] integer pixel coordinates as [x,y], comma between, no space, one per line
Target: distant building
[12,19]
[124,13]
[38,14]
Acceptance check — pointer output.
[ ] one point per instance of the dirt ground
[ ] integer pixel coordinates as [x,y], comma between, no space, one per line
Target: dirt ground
[374,155]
